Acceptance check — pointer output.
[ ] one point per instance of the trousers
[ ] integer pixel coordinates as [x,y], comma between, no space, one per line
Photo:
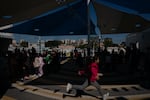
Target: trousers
[86,84]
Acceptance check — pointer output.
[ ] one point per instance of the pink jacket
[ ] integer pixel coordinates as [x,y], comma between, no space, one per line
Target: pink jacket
[94,71]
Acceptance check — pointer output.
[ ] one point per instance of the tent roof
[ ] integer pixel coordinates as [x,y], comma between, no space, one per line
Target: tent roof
[113,20]
[71,16]
[12,11]
[69,20]
[141,6]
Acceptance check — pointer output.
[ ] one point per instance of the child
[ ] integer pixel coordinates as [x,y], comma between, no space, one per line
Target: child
[92,78]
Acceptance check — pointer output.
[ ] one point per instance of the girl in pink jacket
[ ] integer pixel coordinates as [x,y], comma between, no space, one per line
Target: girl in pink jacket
[92,78]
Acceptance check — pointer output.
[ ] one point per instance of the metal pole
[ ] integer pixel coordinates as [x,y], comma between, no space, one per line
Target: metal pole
[99,47]
[39,44]
[88,30]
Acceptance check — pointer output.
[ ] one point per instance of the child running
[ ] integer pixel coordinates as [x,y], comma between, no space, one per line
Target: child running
[91,79]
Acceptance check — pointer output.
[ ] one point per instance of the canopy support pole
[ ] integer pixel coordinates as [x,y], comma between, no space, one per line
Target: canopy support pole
[88,28]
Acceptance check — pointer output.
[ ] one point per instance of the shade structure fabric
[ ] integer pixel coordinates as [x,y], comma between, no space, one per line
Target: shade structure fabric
[20,10]
[140,6]
[69,17]
[113,20]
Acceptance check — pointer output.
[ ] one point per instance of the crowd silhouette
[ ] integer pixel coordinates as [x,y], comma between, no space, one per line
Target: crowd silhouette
[23,64]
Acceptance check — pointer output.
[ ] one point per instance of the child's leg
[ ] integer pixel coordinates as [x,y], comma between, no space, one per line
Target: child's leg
[97,86]
[81,87]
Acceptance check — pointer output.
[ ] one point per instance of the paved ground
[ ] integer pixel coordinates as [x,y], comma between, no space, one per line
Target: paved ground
[57,92]
[53,87]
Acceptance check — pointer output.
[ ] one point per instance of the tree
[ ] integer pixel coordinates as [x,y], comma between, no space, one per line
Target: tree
[108,42]
[24,44]
[54,43]
[82,46]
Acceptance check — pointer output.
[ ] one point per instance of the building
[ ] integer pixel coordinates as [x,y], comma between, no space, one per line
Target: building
[139,39]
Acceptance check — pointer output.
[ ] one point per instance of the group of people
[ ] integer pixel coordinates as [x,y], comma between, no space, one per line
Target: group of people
[26,59]
[24,64]
[41,62]
[130,57]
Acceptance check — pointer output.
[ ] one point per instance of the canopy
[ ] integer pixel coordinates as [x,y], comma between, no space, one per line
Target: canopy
[12,11]
[67,17]
[68,20]
[113,18]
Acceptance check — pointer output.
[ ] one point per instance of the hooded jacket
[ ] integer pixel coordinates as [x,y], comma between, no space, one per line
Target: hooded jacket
[94,71]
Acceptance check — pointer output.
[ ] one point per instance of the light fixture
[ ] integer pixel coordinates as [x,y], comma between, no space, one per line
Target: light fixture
[60,1]
[7,17]
[36,29]
[71,32]
[113,29]
[137,25]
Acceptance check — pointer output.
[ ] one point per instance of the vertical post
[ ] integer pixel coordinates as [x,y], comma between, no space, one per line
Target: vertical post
[93,51]
[99,41]
[39,40]
[39,44]
[88,28]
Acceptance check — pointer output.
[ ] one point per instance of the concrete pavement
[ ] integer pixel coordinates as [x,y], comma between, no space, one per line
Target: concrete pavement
[57,92]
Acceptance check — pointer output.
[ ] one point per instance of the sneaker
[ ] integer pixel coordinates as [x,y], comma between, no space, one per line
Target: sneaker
[105,96]
[69,86]
[39,74]
[26,77]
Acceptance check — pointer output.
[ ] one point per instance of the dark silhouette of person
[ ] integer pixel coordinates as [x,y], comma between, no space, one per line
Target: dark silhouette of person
[4,75]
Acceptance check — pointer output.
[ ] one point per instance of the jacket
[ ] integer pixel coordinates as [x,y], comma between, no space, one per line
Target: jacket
[94,71]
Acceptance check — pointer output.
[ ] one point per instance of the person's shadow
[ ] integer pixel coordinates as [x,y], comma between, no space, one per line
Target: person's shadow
[78,93]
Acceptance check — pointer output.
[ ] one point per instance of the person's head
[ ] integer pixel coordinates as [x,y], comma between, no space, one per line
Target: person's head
[96,59]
